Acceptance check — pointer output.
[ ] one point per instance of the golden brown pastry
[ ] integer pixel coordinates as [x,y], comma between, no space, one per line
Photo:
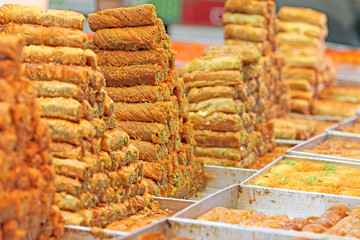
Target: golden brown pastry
[216,78]
[196,95]
[151,132]
[323,178]
[148,151]
[306,15]
[341,94]
[133,75]
[301,28]
[248,54]
[334,108]
[244,19]
[35,15]
[216,121]
[123,17]
[300,105]
[60,55]
[119,58]
[249,7]
[263,47]
[207,138]
[300,94]
[245,32]
[51,36]
[224,105]
[130,39]
[146,112]
[215,63]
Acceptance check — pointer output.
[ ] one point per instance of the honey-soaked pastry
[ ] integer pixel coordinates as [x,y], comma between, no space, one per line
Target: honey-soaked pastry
[300,73]
[130,39]
[316,177]
[136,94]
[222,152]
[248,7]
[245,32]
[294,38]
[327,220]
[299,27]
[59,89]
[334,108]
[149,151]
[60,55]
[51,36]
[301,49]
[207,138]
[225,105]
[217,121]
[196,95]
[62,73]
[123,17]
[300,94]
[151,132]
[133,75]
[263,47]
[35,15]
[215,63]
[146,112]
[336,147]
[245,19]
[248,54]
[59,107]
[302,15]
[302,61]
[341,93]
[216,78]
[120,58]
[64,131]
[301,106]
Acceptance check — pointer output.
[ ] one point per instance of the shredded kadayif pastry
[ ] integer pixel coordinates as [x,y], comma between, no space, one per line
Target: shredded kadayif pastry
[337,220]
[337,148]
[312,177]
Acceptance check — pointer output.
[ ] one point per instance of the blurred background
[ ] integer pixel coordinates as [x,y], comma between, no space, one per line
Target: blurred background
[196,24]
[200,20]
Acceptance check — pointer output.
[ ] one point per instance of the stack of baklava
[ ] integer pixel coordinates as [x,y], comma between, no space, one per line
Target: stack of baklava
[98,176]
[224,106]
[134,55]
[252,23]
[301,37]
[27,175]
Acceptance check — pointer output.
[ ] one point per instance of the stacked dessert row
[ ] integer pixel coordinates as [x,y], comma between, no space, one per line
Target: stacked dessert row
[224,107]
[252,23]
[98,176]
[135,57]
[27,209]
[301,37]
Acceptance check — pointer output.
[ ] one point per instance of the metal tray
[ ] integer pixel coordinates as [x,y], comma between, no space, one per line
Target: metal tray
[284,192]
[223,177]
[316,117]
[335,130]
[200,230]
[311,143]
[87,233]
[227,176]
[268,201]
[288,142]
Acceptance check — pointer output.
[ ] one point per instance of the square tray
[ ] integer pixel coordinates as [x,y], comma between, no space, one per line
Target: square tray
[311,143]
